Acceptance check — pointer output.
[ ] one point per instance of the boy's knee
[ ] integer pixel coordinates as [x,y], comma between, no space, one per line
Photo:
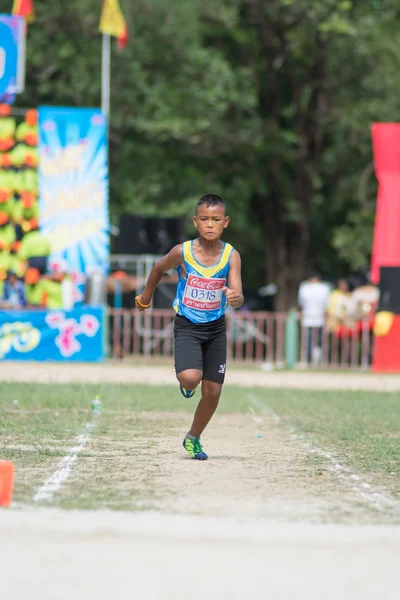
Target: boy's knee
[190,378]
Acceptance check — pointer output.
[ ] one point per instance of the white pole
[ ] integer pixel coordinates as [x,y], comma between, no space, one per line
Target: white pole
[105,75]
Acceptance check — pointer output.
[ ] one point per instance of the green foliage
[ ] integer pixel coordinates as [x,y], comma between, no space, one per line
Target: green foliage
[268,103]
[353,240]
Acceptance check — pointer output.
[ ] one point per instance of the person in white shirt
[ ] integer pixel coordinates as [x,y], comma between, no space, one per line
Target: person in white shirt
[313,300]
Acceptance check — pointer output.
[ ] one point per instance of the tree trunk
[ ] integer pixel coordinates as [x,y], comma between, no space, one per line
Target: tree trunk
[287,205]
[286,260]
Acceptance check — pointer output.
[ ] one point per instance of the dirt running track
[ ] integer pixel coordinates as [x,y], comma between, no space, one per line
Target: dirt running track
[48,554]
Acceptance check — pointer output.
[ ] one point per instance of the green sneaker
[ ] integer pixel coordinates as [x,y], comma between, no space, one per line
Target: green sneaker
[194,449]
[186,393]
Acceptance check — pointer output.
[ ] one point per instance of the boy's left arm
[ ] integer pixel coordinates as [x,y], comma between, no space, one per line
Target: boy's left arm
[234,291]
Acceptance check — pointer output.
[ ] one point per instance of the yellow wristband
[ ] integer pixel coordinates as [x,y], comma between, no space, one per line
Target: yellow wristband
[140,304]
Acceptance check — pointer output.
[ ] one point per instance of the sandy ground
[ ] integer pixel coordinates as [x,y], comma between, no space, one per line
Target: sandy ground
[117,372]
[250,521]
[51,555]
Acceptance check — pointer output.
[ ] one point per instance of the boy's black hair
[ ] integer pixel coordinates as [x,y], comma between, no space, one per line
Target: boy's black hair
[211,200]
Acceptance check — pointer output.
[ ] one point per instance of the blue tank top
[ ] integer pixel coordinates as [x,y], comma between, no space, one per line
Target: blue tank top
[199,296]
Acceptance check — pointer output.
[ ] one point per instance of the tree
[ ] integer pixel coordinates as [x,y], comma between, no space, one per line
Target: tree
[298,52]
[369,97]
[267,103]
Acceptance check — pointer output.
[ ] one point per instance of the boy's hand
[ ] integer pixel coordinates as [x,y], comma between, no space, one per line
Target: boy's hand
[232,296]
[142,303]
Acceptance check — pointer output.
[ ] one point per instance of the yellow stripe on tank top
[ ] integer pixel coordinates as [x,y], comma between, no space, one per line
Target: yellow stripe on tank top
[206,271]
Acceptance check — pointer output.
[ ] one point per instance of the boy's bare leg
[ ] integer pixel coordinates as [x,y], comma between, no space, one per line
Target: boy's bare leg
[210,394]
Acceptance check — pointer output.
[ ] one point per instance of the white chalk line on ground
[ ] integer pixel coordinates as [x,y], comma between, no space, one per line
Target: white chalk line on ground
[363,489]
[54,483]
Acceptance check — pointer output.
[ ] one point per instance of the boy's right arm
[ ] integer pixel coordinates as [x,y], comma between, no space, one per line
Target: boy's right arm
[166,263]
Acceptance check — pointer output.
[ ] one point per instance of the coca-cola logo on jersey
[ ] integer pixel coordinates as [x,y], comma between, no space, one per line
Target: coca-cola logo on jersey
[206,284]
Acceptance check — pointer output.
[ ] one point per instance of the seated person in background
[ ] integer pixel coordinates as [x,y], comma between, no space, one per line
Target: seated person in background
[33,289]
[365,300]
[43,292]
[340,307]
[35,247]
[13,292]
[53,294]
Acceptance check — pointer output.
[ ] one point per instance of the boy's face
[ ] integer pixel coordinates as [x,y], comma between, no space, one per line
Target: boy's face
[210,221]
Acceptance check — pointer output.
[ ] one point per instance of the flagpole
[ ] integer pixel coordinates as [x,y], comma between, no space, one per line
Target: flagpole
[105,74]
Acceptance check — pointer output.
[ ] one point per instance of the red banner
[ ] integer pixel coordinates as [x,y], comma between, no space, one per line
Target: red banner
[386,245]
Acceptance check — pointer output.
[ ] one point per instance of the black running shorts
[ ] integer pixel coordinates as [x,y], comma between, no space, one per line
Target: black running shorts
[201,346]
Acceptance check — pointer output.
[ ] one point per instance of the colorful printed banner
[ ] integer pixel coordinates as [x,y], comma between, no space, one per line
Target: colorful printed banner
[12,57]
[52,335]
[73,187]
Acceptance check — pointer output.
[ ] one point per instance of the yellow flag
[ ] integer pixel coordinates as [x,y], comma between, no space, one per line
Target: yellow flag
[112,21]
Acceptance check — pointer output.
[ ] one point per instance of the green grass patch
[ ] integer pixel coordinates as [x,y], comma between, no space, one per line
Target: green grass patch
[39,422]
[361,428]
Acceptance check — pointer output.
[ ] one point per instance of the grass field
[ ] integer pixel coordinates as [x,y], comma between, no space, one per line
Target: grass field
[260,441]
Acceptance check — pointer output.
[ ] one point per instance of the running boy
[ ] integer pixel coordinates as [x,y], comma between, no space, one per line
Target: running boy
[209,272]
